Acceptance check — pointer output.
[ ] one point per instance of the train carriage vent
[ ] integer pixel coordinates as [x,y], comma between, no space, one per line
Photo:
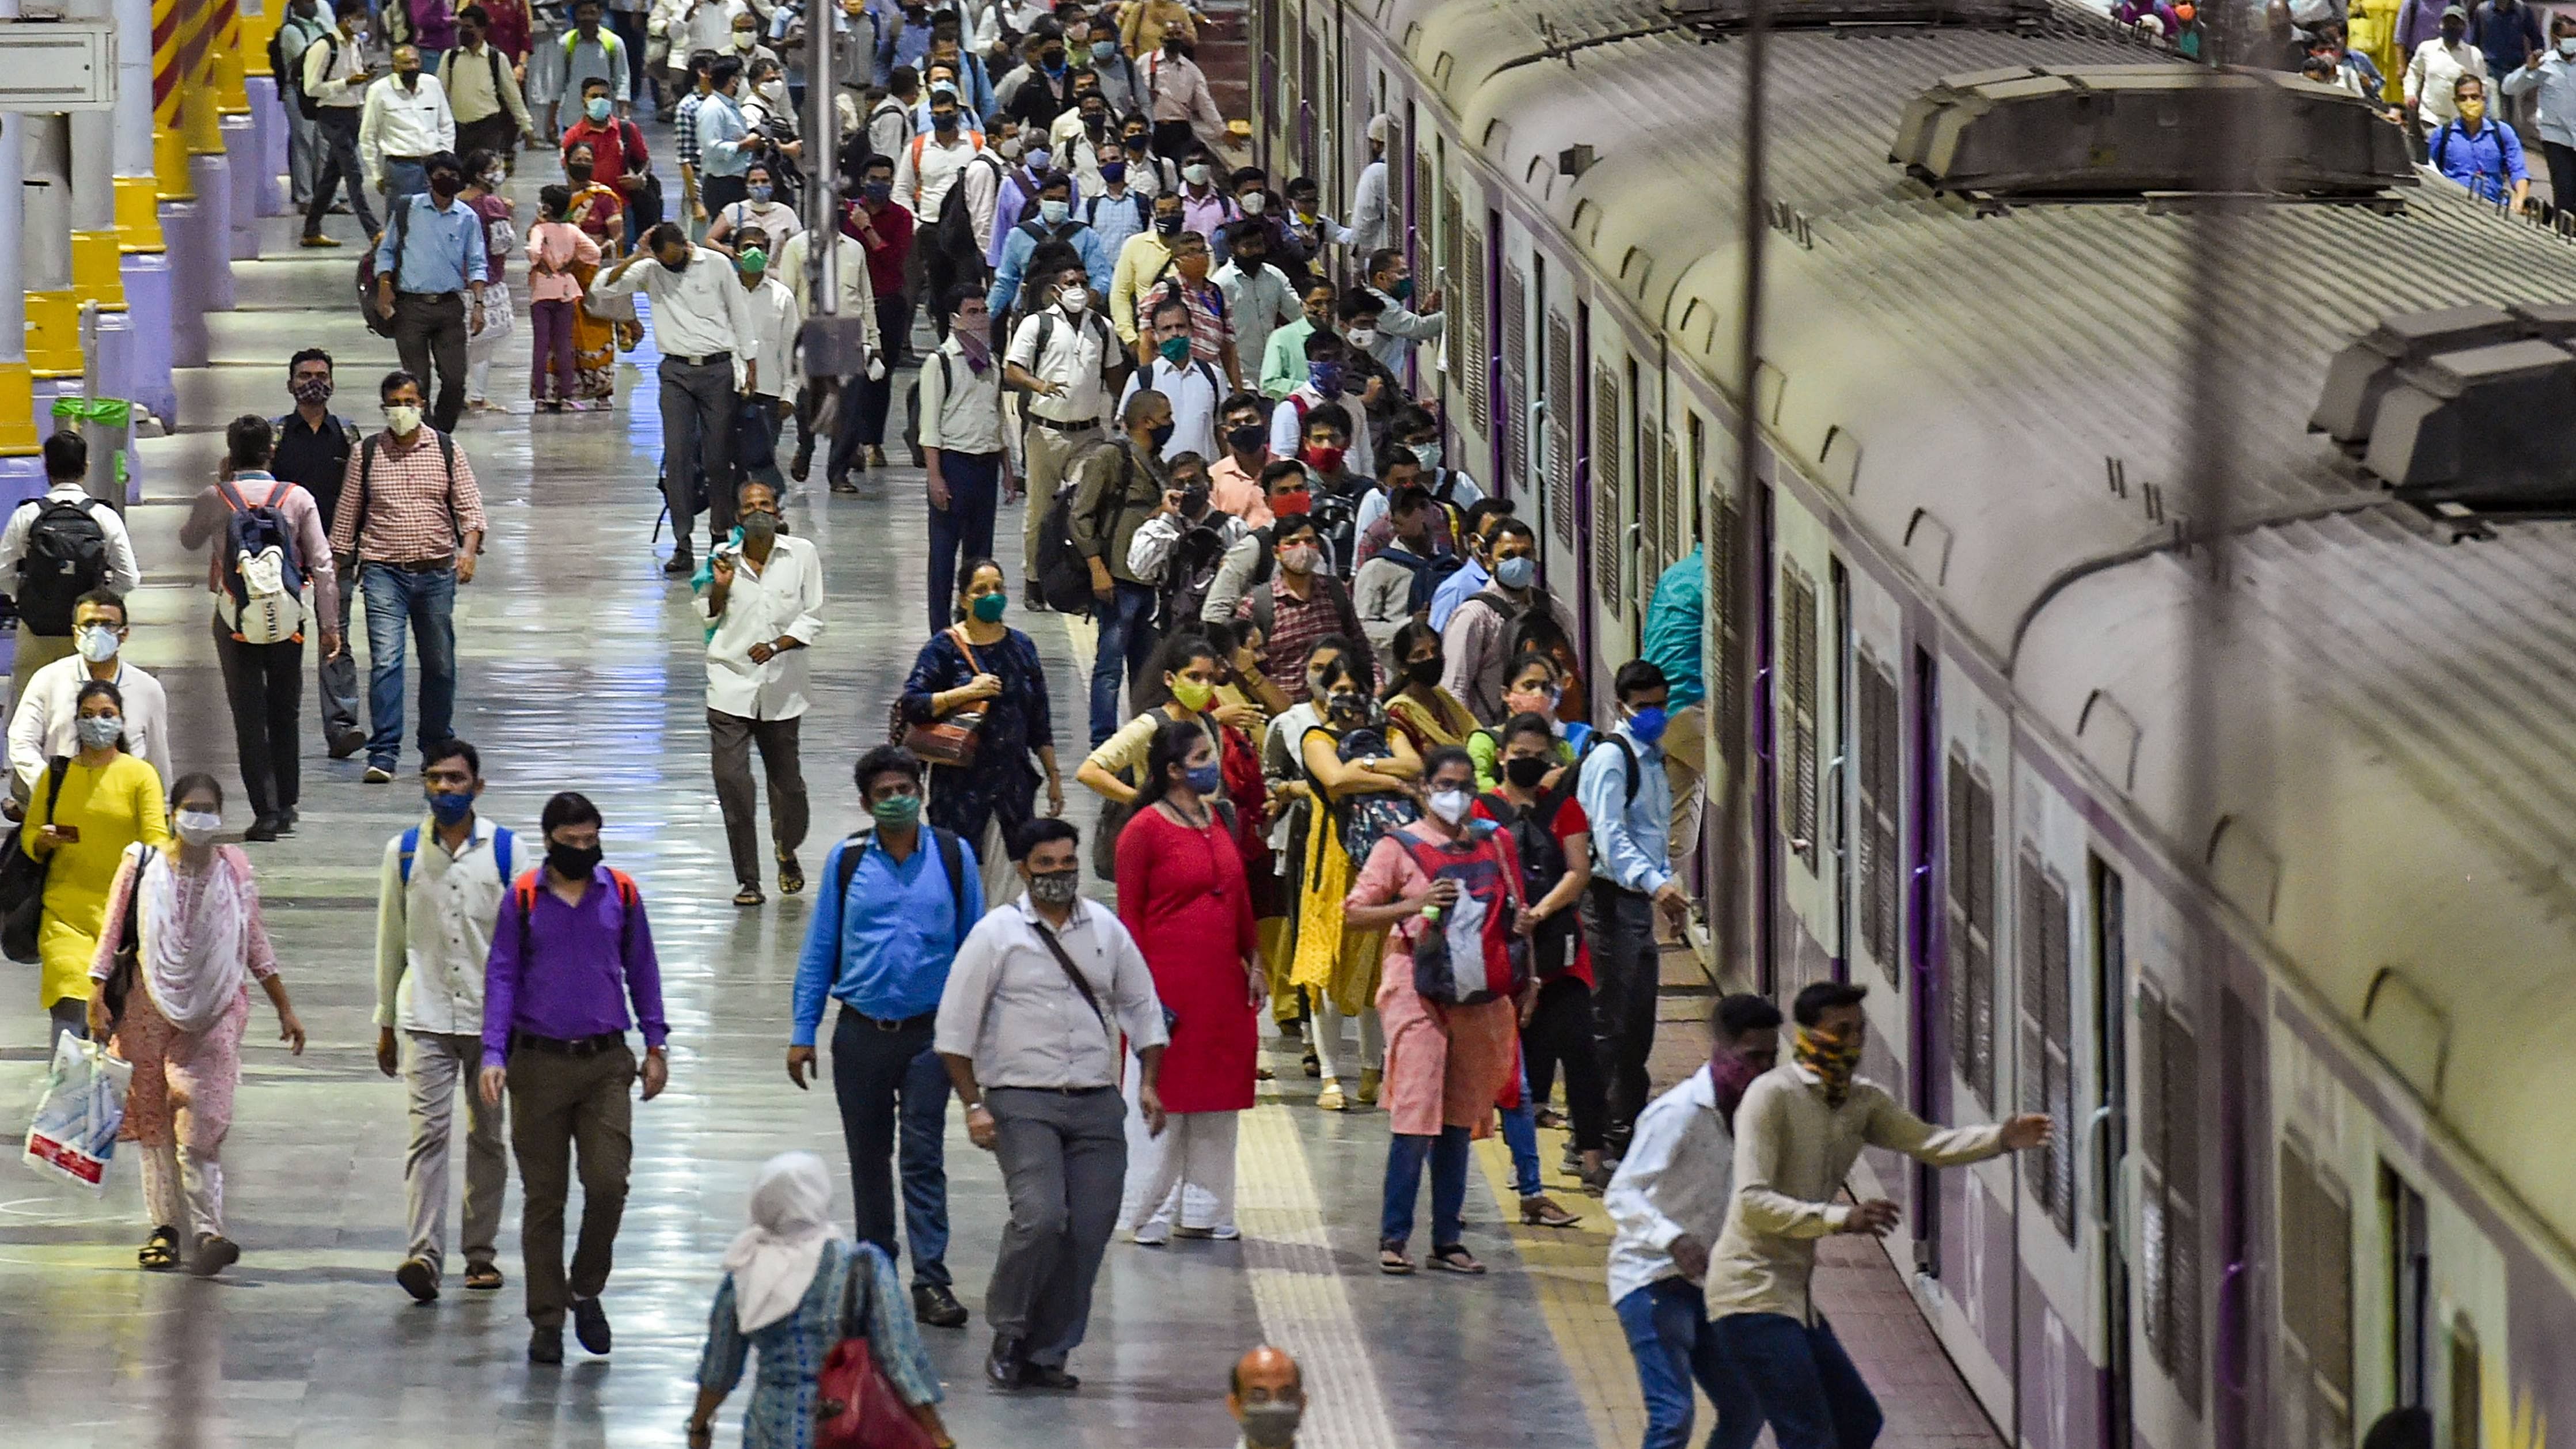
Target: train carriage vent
[2147,132]
[2470,406]
[1725,17]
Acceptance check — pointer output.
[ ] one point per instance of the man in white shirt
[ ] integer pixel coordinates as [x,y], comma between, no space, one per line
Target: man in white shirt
[404,122]
[1061,357]
[776,318]
[931,163]
[46,569]
[1390,276]
[703,327]
[1370,229]
[1028,1028]
[436,900]
[42,726]
[336,74]
[1192,385]
[1667,1206]
[852,298]
[762,604]
[961,445]
[2436,67]
[302,26]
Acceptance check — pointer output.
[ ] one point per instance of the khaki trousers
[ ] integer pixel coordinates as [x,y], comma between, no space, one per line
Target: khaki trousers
[436,1069]
[1051,453]
[560,1105]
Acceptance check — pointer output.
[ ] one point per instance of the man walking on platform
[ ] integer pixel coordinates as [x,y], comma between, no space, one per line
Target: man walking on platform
[313,449]
[336,74]
[762,605]
[1622,788]
[404,122]
[556,1040]
[429,258]
[57,548]
[882,941]
[702,326]
[483,90]
[961,447]
[436,901]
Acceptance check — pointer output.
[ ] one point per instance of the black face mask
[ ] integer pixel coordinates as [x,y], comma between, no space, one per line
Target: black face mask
[1422,671]
[1194,499]
[1168,225]
[572,862]
[578,173]
[446,184]
[681,265]
[1526,770]
[410,79]
[1246,439]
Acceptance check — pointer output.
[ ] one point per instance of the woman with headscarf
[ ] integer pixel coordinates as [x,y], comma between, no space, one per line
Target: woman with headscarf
[785,1282]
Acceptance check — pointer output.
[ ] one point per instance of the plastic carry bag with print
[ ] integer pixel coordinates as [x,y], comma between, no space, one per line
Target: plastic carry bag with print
[74,1133]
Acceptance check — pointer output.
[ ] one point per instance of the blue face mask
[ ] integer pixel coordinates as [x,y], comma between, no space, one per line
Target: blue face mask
[1647,725]
[1326,376]
[1518,572]
[450,809]
[1207,779]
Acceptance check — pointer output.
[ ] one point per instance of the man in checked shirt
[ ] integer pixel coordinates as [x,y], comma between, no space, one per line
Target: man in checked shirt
[408,528]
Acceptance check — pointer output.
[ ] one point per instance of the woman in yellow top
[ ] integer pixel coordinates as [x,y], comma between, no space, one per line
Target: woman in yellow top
[1363,775]
[109,800]
[1429,716]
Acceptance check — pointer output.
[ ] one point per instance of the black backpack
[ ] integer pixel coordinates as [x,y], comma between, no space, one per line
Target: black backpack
[1337,518]
[1543,864]
[952,234]
[1189,574]
[1064,576]
[66,557]
[952,859]
[291,79]
[377,322]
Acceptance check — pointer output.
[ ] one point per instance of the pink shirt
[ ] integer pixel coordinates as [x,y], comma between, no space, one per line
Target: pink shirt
[1232,490]
[558,244]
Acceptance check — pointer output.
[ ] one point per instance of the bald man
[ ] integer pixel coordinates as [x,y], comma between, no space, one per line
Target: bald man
[1267,1396]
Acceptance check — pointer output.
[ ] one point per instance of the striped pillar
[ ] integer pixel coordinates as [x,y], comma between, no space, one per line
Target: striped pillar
[97,271]
[18,443]
[172,22]
[225,58]
[137,184]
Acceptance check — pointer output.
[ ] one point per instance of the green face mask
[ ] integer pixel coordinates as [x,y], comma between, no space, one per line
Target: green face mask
[753,261]
[896,811]
[1175,350]
[988,608]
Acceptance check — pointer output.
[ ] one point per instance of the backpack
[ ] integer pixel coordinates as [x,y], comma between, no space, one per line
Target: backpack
[66,557]
[1337,520]
[366,474]
[1470,955]
[1064,576]
[525,894]
[1627,755]
[1144,209]
[502,842]
[1189,574]
[377,322]
[305,105]
[1543,863]
[952,858]
[263,568]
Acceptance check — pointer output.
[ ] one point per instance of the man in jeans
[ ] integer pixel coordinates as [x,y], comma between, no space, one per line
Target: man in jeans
[1116,489]
[430,257]
[1799,1130]
[900,898]
[436,901]
[704,328]
[556,1039]
[263,677]
[409,525]
[1622,789]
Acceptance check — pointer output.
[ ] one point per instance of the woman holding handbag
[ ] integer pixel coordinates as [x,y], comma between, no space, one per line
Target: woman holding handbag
[841,1365]
[975,710]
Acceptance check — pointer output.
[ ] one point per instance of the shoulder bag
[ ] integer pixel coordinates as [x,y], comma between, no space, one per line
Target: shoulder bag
[949,739]
[22,879]
[855,1405]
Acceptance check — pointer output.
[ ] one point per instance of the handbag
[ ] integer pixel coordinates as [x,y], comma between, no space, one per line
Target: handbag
[949,740]
[22,880]
[128,969]
[855,1406]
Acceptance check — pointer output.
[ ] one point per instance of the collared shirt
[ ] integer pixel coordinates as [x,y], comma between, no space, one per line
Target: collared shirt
[1256,304]
[884,949]
[1207,215]
[1211,331]
[927,167]
[2487,163]
[1369,230]
[1181,94]
[2435,68]
[434,934]
[598,957]
[595,57]
[616,148]
[2508,33]
[1288,426]
[775,319]
[1116,219]
[413,123]
[123,574]
[1792,1153]
[1237,489]
[1398,329]
[1143,259]
[961,410]
[329,61]
[441,248]
[1470,580]
[315,459]
[42,726]
[1631,836]
[1283,358]
[1076,350]
[415,511]
[782,600]
[295,508]
[1295,624]
[850,261]
[1021,243]
[1477,641]
[1195,388]
[684,130]
[698,310]
[888,254]
[1676,1179]
[721,132]
[1675,614]
[481,84]
[1149,553]
[1115,489]
[2554,77]
[1009,1008]
[1448,486]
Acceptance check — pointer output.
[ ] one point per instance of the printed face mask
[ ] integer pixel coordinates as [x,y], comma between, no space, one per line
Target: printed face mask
[98,731]
[1055,887]
[896,811]
[314,390]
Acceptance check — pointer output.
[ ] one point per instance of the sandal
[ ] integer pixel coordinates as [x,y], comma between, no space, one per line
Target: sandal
[1393,1261]
[1314,1064]
[1331,1099]
[1456,1259]
[791,876]
[749,896]
[483,1278]
[1549,1118]
[160,1252]
[1542,1211]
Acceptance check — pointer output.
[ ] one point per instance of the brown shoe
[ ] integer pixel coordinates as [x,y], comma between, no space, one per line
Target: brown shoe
[317,239]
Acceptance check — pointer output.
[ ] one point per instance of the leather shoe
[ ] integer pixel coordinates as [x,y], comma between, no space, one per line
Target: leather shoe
[1003,1366]
[262,829]
[933,1304]
[1039,1376]
[590,1324]
[681,564]
[545,1345]
[348,742]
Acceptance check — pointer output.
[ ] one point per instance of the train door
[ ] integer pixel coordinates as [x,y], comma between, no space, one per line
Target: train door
[1867,838]
[1607,608]
[1809,765]
[2243,1140]
[2408,1251]
[2107,1131]
[1501,384]
[1927,1084]
[1580,500]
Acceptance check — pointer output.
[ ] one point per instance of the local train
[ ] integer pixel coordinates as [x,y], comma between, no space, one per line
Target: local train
[2248,853]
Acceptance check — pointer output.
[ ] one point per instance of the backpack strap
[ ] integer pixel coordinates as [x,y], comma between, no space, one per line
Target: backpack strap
[952,859]
[502,843]
[1627,757]
[411,847]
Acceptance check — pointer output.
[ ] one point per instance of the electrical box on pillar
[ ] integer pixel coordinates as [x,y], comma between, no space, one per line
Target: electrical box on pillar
[57,65]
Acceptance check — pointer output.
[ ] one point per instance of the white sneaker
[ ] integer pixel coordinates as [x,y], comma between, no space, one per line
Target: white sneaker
[1154,1235]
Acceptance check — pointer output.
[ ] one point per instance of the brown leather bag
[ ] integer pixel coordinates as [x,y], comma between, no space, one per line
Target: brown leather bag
[949,740]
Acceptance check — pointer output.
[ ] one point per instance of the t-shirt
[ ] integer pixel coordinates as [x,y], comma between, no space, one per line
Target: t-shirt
[1570,822]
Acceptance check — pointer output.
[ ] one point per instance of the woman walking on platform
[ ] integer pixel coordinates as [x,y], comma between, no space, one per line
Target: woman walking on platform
[983,668]
[600,212]
[107,800]
[182,943]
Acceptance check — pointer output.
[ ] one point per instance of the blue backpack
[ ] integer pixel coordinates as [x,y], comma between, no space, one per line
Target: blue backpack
[500,852]
[263,568]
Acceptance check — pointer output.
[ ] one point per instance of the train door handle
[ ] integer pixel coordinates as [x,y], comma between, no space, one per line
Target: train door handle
[2231,1337]
[1636,560]
[2084,1139]
[1838,839]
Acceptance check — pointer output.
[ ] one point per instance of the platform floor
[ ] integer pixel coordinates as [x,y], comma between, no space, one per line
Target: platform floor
[580,669]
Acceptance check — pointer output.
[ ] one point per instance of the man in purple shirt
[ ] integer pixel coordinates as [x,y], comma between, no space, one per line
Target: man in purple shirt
[556,1039]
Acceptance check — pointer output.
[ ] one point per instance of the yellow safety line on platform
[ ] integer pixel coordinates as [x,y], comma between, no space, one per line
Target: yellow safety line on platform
[1297,1285]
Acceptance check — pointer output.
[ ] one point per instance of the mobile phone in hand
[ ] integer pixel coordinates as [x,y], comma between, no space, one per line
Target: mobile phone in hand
[67,833]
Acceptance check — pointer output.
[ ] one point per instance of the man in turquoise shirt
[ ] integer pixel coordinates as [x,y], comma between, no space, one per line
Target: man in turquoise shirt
[884,932]
[1676,617]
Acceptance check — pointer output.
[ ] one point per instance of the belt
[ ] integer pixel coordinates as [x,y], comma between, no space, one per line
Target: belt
[709,360]
[1063,427]
[430,296]
[585,1046]
[408,160]
[882,1024]
[1056,1091]
[418,565]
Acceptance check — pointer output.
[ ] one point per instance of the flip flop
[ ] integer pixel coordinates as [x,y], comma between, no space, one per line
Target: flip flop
[1455,1259]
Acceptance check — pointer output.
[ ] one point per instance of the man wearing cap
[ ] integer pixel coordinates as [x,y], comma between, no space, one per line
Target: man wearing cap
[1370,222]
[2434,71]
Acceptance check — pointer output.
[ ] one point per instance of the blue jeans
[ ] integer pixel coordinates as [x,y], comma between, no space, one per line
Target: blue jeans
[1405,1155]
[1126,643]
[964,530]
[424,604]
[893,1093]
[1805,1383]
[1520,1134]
[1675,1345]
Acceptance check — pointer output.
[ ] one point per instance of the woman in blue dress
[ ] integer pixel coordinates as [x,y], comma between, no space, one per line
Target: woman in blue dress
[982,666]
[782,1294]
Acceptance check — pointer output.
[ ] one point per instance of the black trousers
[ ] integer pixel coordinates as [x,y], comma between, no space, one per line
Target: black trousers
[715,193]
[1560,1032]
[430,328]
[1626,967]
[496,133]
[2562,176]
[1173,140]
[336,131]
[876,398]
[697,435]
[264,683]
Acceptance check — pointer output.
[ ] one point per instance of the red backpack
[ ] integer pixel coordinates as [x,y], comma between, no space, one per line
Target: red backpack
[1470,955]
[525,892]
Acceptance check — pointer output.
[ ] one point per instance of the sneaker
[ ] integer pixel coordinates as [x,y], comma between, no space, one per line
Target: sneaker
[545,1345]
[378,775]
[214,1254]
[418,1279]
[933,1304]
[590,1324]
[1156,1235]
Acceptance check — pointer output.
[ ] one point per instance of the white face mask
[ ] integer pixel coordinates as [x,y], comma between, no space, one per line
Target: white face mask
[1363,338]
[1253,203]
[2567,46]
[402,418]
[97,643]
[1195,175]
[1451,805]
[1073,299]
[198,827]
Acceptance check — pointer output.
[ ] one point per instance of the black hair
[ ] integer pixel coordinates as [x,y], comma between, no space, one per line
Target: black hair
[1039,831]
[1359,664]
[1819,997]
[872,162]
[967,571]
[66,455]
[1400,650]
[1173,740]
[885,760]
[1278,468]
[1528,722]
[104,598]
[1527,657]
[749,482]
[902,78]
[452,748]
[701,62]
[1484,509]
[1236,402]
[1141,401]
[1357,303]
[1284,529]
[963,293]
[1250,229]
[309,354]
[477,14]
[1410,419]
[567,808]
[1338,643]
[1635,676]
[664,233]
[1169,303]
[1382,259]
[1409,498]
[1445,756]
[99,688]
[1513,528]
[190,784]
[1401,457]
[436,161]
[395,381]
[2407,1428]
[600,81]
[1331,415]
[1742,1013]
[1298,184]
[1183,646]
[249,440]
[1323,346]
[554,200]
[725,70]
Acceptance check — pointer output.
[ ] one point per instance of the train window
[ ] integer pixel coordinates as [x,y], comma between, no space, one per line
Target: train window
[1650,494]
[1971,888]
[1561,385]
[1478,354]
[1516,394]
[2169,1192]
[1681,504]
[2046,1010]
[1881,872]
[1798,709]
[2316,1303]
[2467,1385]
[1609,539]
[1728,689]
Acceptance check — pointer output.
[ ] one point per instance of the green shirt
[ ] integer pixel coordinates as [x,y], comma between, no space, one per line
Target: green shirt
[1673,624]
[1283,362]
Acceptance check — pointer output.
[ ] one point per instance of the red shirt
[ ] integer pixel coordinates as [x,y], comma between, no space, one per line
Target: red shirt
[893,226]
[616,148]
[1570,822]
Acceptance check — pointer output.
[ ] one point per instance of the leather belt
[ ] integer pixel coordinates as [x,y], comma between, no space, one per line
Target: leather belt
[1064,427]
[585,1046]
[926,1018]
[709,360]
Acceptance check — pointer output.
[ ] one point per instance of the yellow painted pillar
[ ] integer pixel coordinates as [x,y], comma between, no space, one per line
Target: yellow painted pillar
[18,444]
[172,26]
[137,184]
[224,67]
[98,273]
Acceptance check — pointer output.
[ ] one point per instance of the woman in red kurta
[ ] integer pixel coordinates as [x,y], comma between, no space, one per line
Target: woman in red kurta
[1182,895]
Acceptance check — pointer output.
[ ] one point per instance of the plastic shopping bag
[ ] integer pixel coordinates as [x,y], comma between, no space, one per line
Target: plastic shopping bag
[74,1133]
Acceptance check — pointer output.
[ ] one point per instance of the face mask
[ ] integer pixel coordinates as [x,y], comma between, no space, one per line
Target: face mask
[1175,350]
[1136,142]
[410,79]
[1300,558]
[760,193]
[988,607]
[596,108]
[572,862]
[1451,805]
[1073,299]
[2472,110]
[1349,703]
[97,643]
[753,261]
[1159,437]
[1253,203]
[943,120]
[1526,771]
[1647,725]
[446,184]
[1192,695]
[197,827]
[1194,499]
[1051,61]
[1168,225]
[450,809]
[1516,573]
[98,731]
[1292,503]
[1196,175]
[1054,212]
[880,192]
[1113,172]
[1246,439]
[1423,671]
[1428,454]
[1104,50]
[896,811]
[1055,887]
[1363,338]
[1401,290]
[314,390]
[774,92]
[1832,1058]
[1249,262]
[1326,377]
[402,418]
[1038,157]
[1325,460]
[1730,1074]
[675,268]
[2567,46]
[1530,701]
[759,527]
[1206,779]
[743,40]
[579,173]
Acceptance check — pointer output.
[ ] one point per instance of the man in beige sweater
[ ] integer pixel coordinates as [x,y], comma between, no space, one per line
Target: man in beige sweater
[1799,1130]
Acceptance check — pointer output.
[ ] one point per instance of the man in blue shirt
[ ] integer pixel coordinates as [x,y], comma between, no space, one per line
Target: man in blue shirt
[1622,789]
[1675,616]
[881,941]
[2474,150]
[1052,222]
[727,145]
[430,257]
[1476,575]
